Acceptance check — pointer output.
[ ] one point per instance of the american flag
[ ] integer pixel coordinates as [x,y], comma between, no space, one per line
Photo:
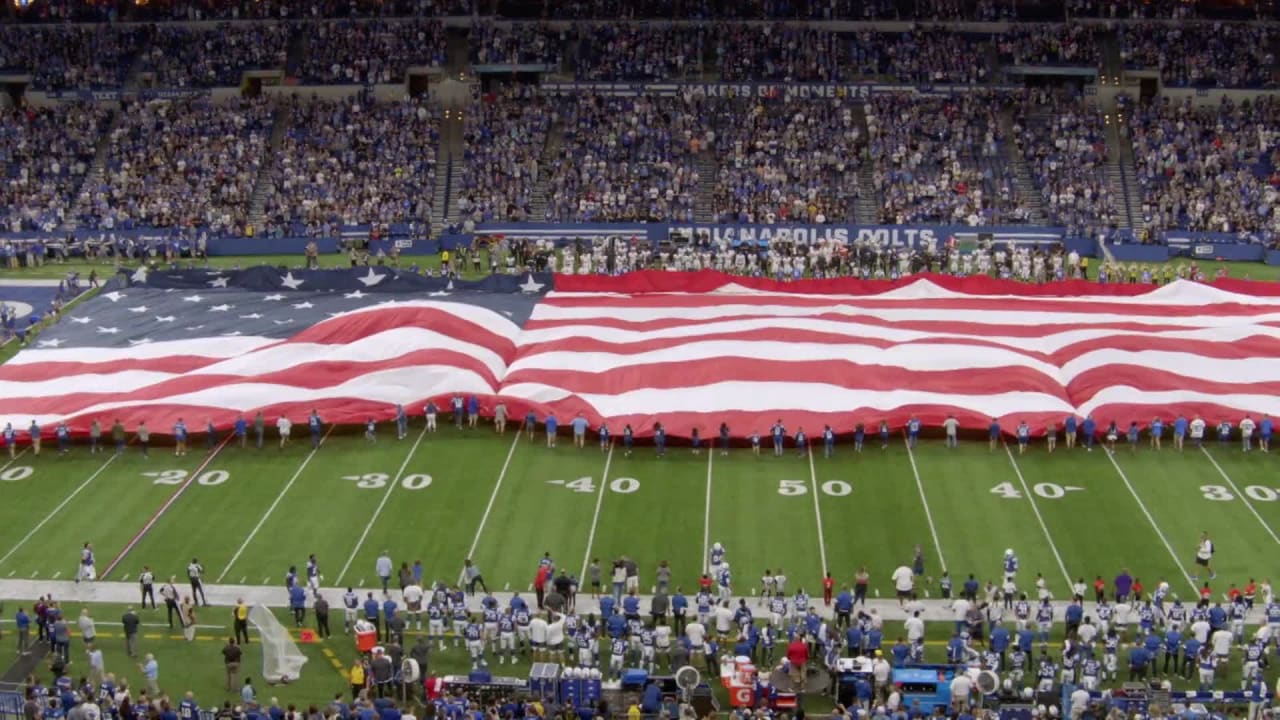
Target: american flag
[687,350]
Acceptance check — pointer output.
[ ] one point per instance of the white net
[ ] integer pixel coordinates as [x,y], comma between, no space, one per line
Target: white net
[282,661]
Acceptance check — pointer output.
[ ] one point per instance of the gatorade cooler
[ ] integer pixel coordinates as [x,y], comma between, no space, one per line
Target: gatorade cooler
[366,638]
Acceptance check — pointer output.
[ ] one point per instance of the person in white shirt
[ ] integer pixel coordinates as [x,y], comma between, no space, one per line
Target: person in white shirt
[1121,617]
[538,630]
[1246,432]
[903,582]
[1087,632]
[915,629]
[724,620]
[413,605]
[1200,630]
[1079,703]
[284,426]
[1204,556]
[961,687]
[1221,641]
[555,635]
[696,633]
[1197,432]
[960,612]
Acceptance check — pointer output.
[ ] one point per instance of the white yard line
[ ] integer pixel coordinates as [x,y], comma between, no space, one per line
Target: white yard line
[706,516]
[817,510]
[595,519]
[1242,496]
[52,513]
[13,459]
[272,507]
[928,515]
[1143,507]
[391,487]
[493,497]
[1031,498]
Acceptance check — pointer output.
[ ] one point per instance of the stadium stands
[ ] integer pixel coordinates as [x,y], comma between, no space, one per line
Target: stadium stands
[504,139]
[1220,55]
[47,154]
[367,52]
[213,57]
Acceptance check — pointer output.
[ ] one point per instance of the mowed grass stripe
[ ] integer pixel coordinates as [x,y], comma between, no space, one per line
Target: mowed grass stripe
[1177,489]
[654,510]
[434,522]
[980,514]
[764,522]
[879,522]
[546,504]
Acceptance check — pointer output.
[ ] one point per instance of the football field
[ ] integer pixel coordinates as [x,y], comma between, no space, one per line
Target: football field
[248,514]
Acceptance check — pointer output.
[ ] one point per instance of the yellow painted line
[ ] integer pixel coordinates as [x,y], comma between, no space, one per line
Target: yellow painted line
[153,636]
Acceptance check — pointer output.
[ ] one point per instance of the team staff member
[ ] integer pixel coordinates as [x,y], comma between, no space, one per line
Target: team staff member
[231,655]
[240,621]
[147,580]
[170,595]
[194,573]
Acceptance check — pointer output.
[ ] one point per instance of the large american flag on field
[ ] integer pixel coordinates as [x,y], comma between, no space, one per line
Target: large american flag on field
[686,349]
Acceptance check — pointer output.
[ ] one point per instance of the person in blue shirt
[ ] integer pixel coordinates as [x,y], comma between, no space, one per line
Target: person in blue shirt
[695,440]
[552,425]
[859,436]
[1024,436]
[210,433]
[1088,428]
[371,431]
[628,438]
[828,441]
[993,434]
[844,608]
[1132,436]
[1179,432]
[34,432]
[402,422]
[802,442]
[1264,434]
[1173,651]
[755,444]
[913,432]
[298,602]
[473,411]
[64,438]
[371,610]
[603,432]
[530,423]
[660,439]
[999,640]
[316,427]
[900,652]
[579,431]
[724,439]
[22,624]
[11,439]
[679,611]
[1157,432]
[884,434]
[1069,431]
[179,438]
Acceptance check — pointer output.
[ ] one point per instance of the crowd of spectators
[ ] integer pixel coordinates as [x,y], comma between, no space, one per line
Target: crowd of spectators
[354,162]
[1051,44]
[503,140]
[639,52]
[934,56]
[625,159]
[69,58]
[1208,168]
[46,153]
[213,57]
[52,11]
[940,160]
[784,161]
[180,164]
[788,53]
[493,44]
[1218,55]
[1065,146]
[366,52]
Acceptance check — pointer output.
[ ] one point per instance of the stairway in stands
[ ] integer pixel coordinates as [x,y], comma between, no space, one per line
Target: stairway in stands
[1024,187]
[1121,179]
[546,164]
[704,198]
[448,172]
[269,167]
[866,208]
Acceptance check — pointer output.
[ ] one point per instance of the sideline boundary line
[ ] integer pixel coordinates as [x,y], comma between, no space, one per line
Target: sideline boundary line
[1235,489]
[391,487]
[924,501]
[595,519]
[1026,491]
[1143,507]
[493,497]
[50,515]
[272,507]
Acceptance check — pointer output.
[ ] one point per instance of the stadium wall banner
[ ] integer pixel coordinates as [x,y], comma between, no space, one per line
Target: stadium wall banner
[784,91]
[114,95]
[1229,251]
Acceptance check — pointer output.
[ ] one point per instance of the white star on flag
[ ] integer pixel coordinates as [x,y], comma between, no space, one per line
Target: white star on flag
[108,330]
[140,341]
[195,327]
[192,298]
[286,321]
[114,295]
[276,296]
[290,281]
[354,295]
[233,333]
[439,293]
[81,320]
[165,318]
[55,342]
[372,278]
[221,308]
[139,275]
[218,282]
[139,309]
[303,306]
[251,316]
[529,286]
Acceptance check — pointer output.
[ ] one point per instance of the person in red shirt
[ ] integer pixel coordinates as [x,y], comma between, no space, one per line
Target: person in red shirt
[828,586]
[540,583]
[1205,593]
[798,656]
[705,583]
[1250,593]
[1099,590]
[1233,593]
[1137,589]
